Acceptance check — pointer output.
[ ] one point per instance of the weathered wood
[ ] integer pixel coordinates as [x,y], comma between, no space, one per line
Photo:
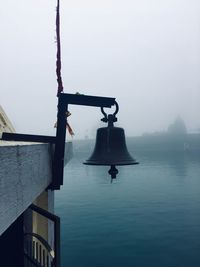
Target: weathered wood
[25,172]
[28,138]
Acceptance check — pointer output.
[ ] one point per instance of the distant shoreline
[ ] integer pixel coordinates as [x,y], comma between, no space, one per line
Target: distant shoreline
[158,142]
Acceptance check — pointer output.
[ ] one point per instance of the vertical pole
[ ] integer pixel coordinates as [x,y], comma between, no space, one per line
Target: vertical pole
[58,162]
[57,242]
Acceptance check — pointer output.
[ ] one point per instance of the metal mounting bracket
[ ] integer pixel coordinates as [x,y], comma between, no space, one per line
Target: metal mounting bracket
[63,102]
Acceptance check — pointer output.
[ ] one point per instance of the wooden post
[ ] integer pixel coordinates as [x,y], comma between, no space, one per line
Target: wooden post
[58,161]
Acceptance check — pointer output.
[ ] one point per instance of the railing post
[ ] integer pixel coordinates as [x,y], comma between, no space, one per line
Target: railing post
[57,242]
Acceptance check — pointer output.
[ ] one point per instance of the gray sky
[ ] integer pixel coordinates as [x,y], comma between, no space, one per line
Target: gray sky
[146,53]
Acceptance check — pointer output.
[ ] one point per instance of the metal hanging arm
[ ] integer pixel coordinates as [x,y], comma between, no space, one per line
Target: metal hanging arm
[58,60]
[63,101]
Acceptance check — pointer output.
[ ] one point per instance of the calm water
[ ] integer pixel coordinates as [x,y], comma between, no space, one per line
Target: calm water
[149,216]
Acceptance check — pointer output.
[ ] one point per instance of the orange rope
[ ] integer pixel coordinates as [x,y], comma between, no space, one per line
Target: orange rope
[69,128]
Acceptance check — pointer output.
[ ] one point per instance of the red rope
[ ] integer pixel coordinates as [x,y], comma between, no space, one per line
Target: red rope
[58,60]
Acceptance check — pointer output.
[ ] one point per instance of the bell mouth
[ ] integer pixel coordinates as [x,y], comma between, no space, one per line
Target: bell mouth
[107,163]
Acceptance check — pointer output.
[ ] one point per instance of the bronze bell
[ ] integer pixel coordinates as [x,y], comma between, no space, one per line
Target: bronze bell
[110,148]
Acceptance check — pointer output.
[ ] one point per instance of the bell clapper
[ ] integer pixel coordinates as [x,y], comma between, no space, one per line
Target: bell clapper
[113,172]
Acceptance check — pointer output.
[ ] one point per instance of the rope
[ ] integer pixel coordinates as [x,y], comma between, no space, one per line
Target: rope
[58,60]
[58,63]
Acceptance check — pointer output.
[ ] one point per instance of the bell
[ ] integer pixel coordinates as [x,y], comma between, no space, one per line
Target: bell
[110,148]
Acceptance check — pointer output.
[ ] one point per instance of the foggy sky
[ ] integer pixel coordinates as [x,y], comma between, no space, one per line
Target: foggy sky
[145,53]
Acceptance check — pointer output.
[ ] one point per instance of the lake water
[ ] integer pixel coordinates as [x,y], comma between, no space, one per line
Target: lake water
[149,216]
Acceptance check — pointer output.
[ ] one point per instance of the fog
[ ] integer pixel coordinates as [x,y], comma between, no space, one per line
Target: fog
[146,53]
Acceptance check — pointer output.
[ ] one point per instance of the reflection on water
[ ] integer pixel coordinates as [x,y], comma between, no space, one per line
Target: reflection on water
[150,216]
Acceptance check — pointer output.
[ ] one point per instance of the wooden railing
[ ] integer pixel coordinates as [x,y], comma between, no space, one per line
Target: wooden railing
[37,251]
